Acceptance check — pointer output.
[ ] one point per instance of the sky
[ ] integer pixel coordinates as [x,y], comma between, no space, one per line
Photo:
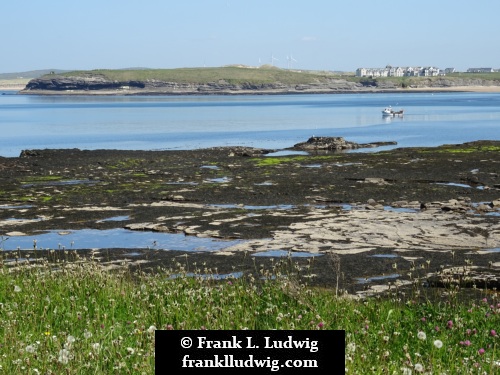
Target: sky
[328,35]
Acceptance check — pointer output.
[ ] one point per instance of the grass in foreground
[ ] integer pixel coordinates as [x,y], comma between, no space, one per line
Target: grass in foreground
[75,317]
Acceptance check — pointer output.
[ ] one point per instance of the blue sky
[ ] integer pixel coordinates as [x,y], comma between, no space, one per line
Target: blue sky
[319,34]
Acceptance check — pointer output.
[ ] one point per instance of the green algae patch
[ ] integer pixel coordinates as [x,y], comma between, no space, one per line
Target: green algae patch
[270,160]
[462,150]
[41,179]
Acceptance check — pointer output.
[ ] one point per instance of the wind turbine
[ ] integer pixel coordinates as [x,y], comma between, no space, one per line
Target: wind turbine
[290,60]
[272,59]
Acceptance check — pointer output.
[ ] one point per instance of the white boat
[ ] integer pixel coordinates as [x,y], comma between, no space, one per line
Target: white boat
[388,111]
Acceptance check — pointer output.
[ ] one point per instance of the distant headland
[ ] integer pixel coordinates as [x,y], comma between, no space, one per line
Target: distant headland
[232,80]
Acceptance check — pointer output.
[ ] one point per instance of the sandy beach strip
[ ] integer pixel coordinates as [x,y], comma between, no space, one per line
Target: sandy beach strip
[12,87]
[457,88]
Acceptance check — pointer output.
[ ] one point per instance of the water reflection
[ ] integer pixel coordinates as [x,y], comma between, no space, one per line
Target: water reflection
[114,238]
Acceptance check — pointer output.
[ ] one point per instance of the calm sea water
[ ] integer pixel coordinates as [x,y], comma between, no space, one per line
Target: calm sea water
[277,122]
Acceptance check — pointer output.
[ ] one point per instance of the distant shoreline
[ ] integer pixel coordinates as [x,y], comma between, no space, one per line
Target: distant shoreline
[12,87]
[479,89]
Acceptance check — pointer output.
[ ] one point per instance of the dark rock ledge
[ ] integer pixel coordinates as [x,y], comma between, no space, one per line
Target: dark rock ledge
[336,144]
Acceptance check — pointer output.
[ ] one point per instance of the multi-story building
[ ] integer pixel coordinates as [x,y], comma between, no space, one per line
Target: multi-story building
[390,71]
[480,70]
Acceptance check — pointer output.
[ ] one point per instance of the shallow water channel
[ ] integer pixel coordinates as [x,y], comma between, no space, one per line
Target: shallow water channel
[113,238]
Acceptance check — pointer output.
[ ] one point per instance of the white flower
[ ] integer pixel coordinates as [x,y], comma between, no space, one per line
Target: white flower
[17,289]
[87,334]
[406,371]
[96,346]
[351,347]
[419,367]
[130,350]
[30,349]
[70,339]
[151,329]
[421,335]
[63,356]
[438,344]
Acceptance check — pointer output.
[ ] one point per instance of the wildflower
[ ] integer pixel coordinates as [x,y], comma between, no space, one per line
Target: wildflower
[87,334]
[438,344]
[351,347]
[419,367]
[321,325]
[170,327]
[449,324]
[70,339]
[96,346]
[30,349]
[465,343]
[151,329]
[64,356]
[493,333]
[17,289]
[130,350]
[421,335]
[423,319]
[436,328]
[481,351]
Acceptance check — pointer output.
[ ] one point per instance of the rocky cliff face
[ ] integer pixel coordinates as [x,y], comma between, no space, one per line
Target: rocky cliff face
[456,82]
[85,83]
[99,84]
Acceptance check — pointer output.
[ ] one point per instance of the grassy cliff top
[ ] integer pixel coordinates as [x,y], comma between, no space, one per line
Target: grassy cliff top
[229,74]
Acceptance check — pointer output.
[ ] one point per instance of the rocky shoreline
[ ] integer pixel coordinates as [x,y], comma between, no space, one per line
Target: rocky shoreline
[364,221]
[99,85]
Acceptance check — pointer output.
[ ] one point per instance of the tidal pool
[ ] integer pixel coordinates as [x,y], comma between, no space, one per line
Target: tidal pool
[114,238]
[363,280]
[384,256]
[285,253]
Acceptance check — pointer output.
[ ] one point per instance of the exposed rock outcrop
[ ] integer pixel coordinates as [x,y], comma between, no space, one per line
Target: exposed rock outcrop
[335,144]
[99,84]
[93,83]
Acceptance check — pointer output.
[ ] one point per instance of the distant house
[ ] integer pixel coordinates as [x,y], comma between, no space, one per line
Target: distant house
[430,72]
[390,71]
[449,70]
[480,70]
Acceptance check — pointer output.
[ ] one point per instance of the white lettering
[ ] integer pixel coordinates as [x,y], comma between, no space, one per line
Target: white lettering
[290,343]
[203,343]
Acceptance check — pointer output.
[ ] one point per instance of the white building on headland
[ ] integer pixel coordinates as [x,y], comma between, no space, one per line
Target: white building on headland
[480,70]
[390,71]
